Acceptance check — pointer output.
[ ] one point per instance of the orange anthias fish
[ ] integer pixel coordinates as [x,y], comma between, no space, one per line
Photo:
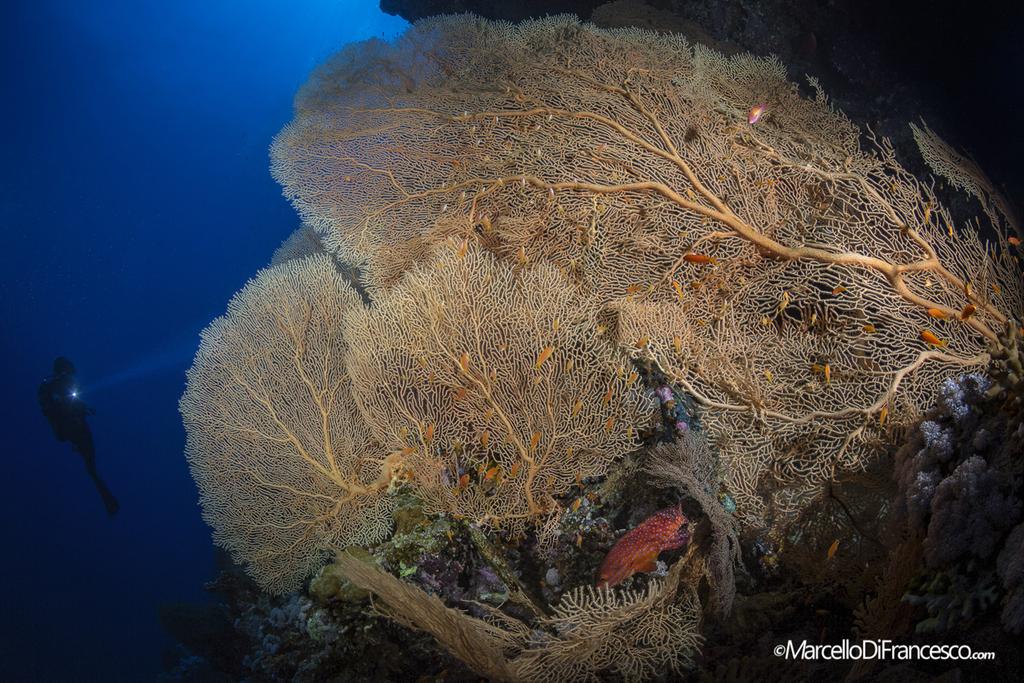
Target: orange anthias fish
[756,113]
[638,550]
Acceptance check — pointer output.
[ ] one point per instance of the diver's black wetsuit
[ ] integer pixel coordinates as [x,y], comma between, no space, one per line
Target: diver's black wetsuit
[58,397]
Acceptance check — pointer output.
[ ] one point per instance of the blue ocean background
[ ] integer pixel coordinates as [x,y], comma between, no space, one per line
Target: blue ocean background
[136,200]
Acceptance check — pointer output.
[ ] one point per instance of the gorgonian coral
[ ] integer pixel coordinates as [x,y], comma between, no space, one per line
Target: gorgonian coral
[809,293]
[494,383]
[286,468]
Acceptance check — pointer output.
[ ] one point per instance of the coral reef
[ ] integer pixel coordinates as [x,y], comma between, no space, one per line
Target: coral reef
[517,394]
[562,313]
[960,476]
[329,634]
[591,632]
[725,253]
[286,469]
[1011,574]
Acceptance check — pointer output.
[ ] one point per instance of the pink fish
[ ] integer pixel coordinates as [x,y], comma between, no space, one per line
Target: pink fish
[638,550]
[756,113]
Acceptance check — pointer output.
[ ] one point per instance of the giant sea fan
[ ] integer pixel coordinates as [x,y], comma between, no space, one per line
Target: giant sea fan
[801,285]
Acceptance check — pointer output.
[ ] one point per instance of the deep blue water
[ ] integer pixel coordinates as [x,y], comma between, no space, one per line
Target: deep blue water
[136,199]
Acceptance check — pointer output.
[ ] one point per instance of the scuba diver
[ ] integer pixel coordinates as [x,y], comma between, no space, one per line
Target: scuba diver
[66,412]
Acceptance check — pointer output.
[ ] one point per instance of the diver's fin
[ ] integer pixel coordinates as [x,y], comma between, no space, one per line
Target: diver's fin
[109,501]
[111,504]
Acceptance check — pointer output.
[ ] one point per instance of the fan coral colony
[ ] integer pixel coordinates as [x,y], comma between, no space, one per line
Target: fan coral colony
[566,300]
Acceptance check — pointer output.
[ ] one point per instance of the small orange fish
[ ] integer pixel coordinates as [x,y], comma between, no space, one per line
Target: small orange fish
[543,356]
[463,249]
[832,549]
[968,311]
[609,423]
[1015,241]
[429,436]
[635,289]
[464,481]
[690,257]
[679,290]
[607,397]
[870,329]
[784,302]
[883,414]
[838,290]
[576,504]
[515,468]
[464,362]
[930,337]
[485,438]
[491,473]
[460,393]
[756,112]
[828,374]
[534,440]
[642,342]
[938,313]
[997,289]
[638,549]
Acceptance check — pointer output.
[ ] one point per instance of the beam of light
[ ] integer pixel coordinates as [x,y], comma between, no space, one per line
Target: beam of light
[172,355]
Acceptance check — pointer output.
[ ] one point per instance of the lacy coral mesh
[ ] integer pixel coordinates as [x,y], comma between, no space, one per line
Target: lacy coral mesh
[285,466]
[494,384]
[803,286]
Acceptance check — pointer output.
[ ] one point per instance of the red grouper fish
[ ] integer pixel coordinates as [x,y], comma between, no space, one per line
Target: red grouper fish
[638,550]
